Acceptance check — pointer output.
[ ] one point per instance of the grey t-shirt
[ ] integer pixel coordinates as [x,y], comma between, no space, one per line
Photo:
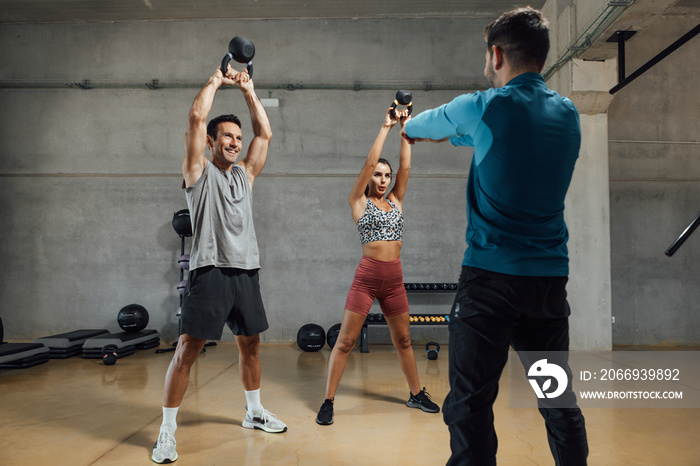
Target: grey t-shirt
[221,212]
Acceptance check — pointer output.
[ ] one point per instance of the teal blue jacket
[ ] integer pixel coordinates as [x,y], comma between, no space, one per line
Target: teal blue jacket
[526,140]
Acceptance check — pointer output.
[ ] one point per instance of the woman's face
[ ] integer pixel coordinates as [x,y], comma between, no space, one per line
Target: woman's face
[381,179]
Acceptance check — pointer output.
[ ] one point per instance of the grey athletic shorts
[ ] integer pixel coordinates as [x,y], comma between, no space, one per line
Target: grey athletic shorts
[215,296]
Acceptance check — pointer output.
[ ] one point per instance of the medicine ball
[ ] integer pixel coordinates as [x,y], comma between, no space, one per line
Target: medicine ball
[2,331]
[109,355]
[311,337]
[182,223]
[332,335]
[432,352]
[133,318]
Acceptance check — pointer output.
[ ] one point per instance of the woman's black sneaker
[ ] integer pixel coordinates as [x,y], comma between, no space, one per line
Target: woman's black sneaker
[325,414]
[422,401]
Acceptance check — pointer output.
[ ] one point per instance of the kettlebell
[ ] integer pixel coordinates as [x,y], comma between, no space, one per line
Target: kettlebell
[241,50]
[109,355]
[402,98]
[432,353]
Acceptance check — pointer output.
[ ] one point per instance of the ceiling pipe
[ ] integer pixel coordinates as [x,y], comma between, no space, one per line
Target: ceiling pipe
[590,33]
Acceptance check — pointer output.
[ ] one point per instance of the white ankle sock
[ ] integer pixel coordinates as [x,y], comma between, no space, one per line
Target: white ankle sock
[169,415]
[252,398]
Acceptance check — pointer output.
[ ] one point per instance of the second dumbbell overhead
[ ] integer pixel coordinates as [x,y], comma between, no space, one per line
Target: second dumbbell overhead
[242,51]
[402,98]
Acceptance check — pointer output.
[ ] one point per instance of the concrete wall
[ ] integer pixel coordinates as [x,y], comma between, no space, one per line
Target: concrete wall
[652,186]
[587,204]
[90,178]
[655,191]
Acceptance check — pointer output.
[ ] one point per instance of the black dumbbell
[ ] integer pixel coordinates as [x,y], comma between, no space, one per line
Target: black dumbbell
[241,50]
[402,98]
[109,355]
[432,352]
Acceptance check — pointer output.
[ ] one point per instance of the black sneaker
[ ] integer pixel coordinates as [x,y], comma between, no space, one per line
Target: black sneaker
[422,401]
[325,414]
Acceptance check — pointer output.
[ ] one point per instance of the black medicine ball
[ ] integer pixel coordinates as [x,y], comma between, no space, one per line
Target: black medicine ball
[182,223]
[332,335]
[311,337]
[133,318]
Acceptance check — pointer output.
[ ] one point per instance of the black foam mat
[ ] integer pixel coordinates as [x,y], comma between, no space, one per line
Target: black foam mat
[29,361]
[148,344]
[121,339]
[64,353]
[10,352]
[70,339]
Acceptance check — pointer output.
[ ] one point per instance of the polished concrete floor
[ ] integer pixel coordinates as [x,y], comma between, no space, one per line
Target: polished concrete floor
[80,412]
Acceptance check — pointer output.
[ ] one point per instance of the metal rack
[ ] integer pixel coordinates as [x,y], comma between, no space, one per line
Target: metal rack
[416,319]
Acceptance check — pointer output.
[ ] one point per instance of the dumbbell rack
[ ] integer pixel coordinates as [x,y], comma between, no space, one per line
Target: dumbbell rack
[415,319]
[430,287]
[182,283]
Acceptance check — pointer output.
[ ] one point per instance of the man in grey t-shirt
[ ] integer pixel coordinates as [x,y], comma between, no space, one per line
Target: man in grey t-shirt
[223,280]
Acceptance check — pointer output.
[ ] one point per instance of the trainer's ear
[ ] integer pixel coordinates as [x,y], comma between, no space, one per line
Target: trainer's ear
[497,57]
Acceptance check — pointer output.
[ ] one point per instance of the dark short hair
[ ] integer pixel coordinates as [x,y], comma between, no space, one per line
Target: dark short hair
[522,34]
[391,172]
[213,125]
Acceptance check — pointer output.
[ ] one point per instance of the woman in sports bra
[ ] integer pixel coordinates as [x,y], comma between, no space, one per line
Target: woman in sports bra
[379,221]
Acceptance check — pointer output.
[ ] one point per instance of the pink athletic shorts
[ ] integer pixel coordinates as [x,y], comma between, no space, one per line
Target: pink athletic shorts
[375,279]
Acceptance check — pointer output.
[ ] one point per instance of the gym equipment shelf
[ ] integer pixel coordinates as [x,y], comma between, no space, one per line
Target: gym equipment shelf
[416,319]
[430,287]
[182,224]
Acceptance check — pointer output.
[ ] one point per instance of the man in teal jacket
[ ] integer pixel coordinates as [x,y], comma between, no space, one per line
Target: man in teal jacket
[512,290]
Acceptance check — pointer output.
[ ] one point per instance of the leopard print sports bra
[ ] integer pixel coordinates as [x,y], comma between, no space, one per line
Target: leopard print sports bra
[377,225]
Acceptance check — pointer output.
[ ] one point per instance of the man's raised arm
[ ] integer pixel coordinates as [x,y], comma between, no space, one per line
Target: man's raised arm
[196,137]
[256,156]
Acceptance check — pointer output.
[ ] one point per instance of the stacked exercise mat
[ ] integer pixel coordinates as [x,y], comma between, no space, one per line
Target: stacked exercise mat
[66,345]
[21,355]
[91,343]
[126,343]
[133,319]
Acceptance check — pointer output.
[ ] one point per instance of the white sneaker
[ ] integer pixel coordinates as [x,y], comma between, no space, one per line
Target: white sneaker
[264,420]
[164,449]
